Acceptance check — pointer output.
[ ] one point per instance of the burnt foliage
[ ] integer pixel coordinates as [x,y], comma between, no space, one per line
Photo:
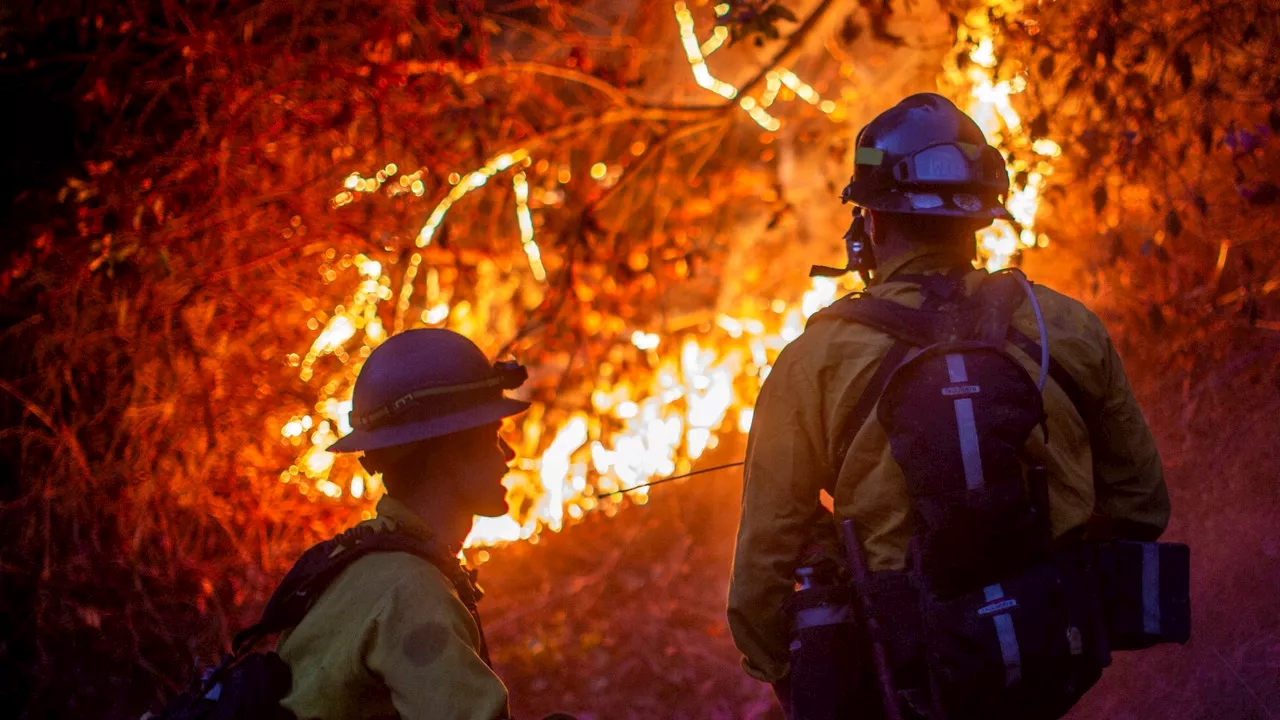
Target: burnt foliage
[1167,115]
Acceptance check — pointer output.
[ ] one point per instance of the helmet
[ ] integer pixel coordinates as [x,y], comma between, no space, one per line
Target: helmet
[924,156]
[427,383]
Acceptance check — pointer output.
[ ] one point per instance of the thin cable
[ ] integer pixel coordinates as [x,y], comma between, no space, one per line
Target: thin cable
[1044,331]
[602,496]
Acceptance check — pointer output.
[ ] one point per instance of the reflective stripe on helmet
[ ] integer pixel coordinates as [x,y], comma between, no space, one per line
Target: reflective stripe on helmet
[868,156]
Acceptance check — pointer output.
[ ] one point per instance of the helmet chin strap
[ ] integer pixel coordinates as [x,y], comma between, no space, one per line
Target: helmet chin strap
[857,246]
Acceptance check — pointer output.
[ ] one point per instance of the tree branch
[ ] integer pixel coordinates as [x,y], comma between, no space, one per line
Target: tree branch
[795,43]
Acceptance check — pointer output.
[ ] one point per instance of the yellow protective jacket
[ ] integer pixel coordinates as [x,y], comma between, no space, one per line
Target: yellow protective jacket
[811,390]
[390,638]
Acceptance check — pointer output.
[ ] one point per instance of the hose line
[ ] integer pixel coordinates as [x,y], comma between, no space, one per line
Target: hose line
[1044,331]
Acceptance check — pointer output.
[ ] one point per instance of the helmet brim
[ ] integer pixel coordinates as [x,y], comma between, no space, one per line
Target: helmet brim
[392,435]
[926,203]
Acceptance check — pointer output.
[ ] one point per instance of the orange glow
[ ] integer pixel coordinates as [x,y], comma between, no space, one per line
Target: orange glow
[980,93]
[685,390]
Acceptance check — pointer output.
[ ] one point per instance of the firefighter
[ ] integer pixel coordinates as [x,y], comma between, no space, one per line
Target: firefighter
[925,181]
[392,636]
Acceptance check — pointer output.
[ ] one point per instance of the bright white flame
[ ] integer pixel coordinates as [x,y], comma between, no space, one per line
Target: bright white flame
[339,330]
[436,314]
[821,295]
[555,467]
[644,340]
[329,488]
[989,103]
[493,530]
[1046,147]
[984,54]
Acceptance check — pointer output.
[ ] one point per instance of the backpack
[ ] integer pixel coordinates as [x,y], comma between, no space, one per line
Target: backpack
[991,619]
[248,685]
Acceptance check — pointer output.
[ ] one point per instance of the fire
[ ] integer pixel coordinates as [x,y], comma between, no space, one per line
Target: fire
[696,53]
[987,100]
[692,389]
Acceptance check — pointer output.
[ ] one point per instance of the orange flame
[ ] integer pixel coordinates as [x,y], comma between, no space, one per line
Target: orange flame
[987,100]
[654,421]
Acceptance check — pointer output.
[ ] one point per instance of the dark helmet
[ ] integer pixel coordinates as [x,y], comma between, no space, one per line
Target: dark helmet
[427,383]
[924,156]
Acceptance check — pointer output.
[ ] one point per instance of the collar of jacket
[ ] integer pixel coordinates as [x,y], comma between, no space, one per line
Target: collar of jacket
[919,261]
[400,517]
[397,516]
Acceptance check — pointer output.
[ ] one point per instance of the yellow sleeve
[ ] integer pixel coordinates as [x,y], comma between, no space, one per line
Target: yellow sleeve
[1132,497]
[784,471]
[423,644]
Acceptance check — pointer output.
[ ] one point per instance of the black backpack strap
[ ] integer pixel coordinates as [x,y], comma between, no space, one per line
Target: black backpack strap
[319,566]
[919,328]
[938,289]
[1083,405]
[867,401]
[999,298]
[910,328]
[988,318]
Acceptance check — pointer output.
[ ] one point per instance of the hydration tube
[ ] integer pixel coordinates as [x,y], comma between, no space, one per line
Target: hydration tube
[1044,331]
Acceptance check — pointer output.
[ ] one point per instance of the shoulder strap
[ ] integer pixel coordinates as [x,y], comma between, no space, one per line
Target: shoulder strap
[915,327]
[909,328]
[320,565]
[868,399]
[1083,405]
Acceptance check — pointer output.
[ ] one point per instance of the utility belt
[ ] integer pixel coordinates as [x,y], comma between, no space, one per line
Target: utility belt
[1027,647]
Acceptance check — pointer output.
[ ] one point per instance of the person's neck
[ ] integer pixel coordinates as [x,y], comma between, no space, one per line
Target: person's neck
[450,524]
[895,253]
